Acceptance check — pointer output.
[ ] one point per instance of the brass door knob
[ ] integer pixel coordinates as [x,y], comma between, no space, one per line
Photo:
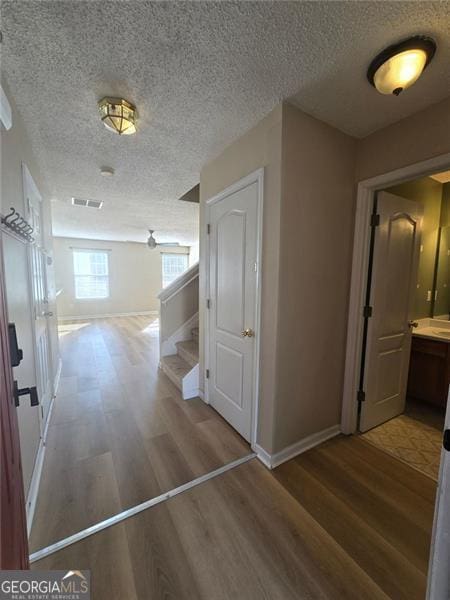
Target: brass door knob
[412,324]
[247,333]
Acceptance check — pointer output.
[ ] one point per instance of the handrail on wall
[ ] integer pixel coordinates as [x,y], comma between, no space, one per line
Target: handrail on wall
[178,284]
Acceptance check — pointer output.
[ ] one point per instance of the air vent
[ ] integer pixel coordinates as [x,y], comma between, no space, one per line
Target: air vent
[87,203]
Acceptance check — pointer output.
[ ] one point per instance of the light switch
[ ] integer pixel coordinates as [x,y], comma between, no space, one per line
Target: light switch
[429,296]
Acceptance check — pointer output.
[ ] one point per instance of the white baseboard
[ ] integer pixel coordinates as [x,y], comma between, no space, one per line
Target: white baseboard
[263,456]
[274,460]
[33,490]
[34,485]
[108,315]
[183,333]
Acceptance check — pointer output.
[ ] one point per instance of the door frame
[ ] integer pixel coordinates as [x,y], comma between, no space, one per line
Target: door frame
[28,183]
[360,266]
[258,178]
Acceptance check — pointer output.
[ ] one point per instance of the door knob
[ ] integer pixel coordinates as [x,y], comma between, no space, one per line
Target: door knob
[413,324]
[47,314]
[248,333]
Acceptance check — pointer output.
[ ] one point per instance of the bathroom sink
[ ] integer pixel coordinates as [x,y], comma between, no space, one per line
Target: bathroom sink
[442,332]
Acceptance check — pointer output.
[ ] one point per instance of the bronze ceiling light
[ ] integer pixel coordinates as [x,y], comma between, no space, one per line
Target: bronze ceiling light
[397,67]
[118,115]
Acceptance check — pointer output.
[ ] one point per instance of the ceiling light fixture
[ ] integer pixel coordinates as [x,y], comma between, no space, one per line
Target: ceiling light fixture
[106,171]
[397,67]
[118,115]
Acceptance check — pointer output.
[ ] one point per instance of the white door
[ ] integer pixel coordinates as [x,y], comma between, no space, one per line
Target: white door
[233,322]
[438,571]
[41,313]
[394,279]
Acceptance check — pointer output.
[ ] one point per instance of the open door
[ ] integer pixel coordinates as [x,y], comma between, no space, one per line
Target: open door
[438,572]
[13,528]
[395,258]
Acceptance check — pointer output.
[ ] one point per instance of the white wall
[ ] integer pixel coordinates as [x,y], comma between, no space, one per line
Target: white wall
[134,278]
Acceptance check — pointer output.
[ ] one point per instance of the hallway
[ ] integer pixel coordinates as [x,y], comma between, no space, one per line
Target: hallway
[343,520]
[119,433]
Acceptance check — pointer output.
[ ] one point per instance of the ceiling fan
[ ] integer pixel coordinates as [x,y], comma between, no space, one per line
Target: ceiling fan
[152,243]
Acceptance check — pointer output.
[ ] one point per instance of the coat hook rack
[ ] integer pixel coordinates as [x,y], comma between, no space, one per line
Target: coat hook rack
[15,224]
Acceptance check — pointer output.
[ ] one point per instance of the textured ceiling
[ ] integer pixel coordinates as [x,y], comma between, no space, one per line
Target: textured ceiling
[200,73]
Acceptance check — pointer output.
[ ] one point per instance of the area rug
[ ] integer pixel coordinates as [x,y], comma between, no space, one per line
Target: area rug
[411,441]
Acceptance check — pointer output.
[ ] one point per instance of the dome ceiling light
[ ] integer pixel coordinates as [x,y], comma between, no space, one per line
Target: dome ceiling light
[118,115]
[397,67]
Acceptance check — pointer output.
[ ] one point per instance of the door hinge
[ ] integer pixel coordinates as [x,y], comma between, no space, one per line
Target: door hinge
[367,312]
[374,220]
[207,373]
[361,396]
[208,303]
[208,229]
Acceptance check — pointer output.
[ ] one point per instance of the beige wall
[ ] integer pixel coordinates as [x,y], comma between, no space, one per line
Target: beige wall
[15,149]
[317,214]
[134,278]
[414,139]
[259,147]
[311,172]
[428,193]
[306,163]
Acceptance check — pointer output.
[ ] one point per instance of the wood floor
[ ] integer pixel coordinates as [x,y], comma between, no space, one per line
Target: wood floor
[120,432]
[342,521]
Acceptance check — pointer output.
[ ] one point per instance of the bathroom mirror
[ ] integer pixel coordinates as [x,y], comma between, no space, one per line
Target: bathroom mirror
[441,292]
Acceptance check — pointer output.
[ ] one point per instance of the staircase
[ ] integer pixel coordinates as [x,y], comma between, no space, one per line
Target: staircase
[179,332]
[178,367]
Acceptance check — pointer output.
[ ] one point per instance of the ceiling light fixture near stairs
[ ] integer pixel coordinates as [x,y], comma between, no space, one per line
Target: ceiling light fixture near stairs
[118,115]
[399,66]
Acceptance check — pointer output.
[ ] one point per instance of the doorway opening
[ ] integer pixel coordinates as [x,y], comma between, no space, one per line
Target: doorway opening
[398,353]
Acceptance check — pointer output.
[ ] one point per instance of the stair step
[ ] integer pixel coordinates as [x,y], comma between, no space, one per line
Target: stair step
[188,351]
[176,368]
[194,333]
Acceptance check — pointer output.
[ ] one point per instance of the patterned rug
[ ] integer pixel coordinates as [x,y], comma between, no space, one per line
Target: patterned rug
[411,441]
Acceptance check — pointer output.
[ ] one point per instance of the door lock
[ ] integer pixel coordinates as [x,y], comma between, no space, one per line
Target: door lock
[31,391]
[248,333]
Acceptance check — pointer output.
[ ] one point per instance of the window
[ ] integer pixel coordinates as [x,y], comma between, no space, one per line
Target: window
[172,267]
[90,269]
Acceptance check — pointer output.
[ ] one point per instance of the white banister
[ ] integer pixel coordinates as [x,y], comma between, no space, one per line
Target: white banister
[179,283]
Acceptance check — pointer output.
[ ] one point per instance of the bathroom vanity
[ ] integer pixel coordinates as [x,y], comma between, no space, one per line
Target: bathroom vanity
[429,368]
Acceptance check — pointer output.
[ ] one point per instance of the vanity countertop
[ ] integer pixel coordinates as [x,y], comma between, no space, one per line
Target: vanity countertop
[433,329]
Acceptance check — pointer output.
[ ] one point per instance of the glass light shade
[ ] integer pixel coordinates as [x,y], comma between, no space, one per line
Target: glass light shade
[400,71]
[118,115]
